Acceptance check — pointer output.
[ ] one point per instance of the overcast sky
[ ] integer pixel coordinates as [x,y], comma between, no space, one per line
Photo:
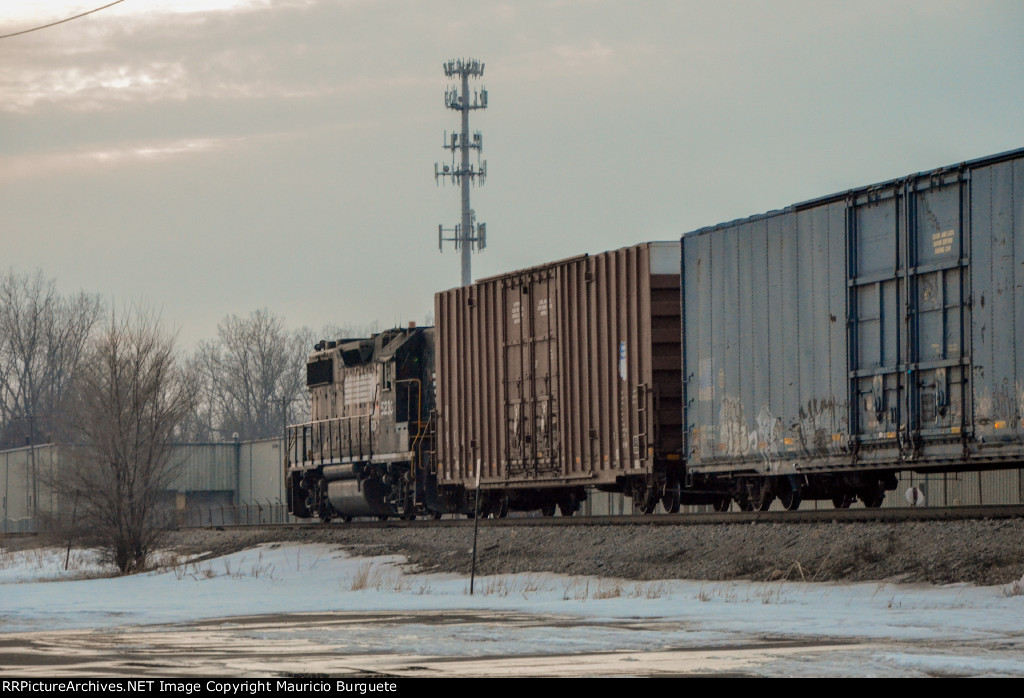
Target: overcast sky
[218,156]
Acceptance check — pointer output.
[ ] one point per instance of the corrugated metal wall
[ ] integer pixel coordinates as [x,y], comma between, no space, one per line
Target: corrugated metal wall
[213,476]
[24,494]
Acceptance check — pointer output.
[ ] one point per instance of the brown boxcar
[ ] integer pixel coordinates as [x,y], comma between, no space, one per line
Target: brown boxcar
[562,376]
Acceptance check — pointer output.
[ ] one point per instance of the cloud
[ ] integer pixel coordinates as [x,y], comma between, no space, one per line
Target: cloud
[31,14]
[90,89]
[37,165]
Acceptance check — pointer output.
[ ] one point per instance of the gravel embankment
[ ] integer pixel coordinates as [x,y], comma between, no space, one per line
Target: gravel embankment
[939,552]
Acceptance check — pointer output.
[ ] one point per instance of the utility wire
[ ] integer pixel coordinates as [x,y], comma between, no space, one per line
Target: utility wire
[53,24]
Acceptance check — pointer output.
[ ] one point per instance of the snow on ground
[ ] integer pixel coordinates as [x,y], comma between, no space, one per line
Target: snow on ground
[902,630]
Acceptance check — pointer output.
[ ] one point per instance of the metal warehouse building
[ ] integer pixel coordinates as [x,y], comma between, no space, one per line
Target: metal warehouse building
[218,483]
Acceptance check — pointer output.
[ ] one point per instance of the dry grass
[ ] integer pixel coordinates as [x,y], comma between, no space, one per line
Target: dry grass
[81,564]
[583,588]
[183,567]
[372,575]
[1014,588]
[504,586]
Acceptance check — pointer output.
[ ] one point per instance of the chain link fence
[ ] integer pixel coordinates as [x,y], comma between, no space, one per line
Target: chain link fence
[236,515]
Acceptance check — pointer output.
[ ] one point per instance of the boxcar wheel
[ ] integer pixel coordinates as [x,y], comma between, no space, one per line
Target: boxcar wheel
[548,509]
[670,500]
[843,501]
[762,496]
[789,496]
[790,499]
[567,505]
[872,498]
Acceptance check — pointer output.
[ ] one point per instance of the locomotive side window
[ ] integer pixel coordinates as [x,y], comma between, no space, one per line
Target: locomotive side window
[319,372]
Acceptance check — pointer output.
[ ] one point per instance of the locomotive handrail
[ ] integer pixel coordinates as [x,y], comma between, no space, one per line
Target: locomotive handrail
[311,454]
[420,430]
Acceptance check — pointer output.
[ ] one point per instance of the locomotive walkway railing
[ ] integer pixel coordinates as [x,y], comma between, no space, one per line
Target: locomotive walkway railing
[325,440]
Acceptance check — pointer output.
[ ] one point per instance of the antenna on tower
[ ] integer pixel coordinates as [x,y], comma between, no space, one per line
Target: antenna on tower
[469,234]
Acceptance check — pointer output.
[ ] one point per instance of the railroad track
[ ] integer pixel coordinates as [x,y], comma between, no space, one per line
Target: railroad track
[895,514]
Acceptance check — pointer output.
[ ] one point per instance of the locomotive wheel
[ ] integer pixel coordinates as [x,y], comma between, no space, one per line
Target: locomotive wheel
[346,519]
[437,516]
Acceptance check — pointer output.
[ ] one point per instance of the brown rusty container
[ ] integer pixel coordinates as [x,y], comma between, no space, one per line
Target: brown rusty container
[562,374]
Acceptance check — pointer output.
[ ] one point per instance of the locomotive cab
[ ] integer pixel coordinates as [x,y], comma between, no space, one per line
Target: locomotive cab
[364,450]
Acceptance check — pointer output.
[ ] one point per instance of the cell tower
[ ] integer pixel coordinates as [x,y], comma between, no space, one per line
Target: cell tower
[469,233]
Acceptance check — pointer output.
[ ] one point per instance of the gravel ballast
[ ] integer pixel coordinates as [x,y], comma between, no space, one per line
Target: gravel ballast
[938,552]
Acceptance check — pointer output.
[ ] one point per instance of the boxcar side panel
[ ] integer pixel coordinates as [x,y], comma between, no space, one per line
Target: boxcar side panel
[562,374]
[763,301]
[997,218]
[891,314]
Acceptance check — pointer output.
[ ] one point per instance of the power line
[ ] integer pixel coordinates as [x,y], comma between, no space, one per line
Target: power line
[53,24]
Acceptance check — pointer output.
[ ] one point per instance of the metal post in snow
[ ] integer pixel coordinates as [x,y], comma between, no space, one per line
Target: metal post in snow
[476,527]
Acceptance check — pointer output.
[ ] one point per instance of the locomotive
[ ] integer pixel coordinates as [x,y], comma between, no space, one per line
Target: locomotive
[366,451]
[807,353]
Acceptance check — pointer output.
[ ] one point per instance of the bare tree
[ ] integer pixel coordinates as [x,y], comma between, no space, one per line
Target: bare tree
[129,397]
[252,374]
[42,337]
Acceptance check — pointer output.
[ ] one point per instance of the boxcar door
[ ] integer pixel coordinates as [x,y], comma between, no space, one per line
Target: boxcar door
[530,378]
[907,262]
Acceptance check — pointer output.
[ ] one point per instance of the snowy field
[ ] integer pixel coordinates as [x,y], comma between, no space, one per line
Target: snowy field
[786,628]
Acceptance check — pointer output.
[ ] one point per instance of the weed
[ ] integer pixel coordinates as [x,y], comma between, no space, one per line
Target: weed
[649,590]
[370,575]
[261,568]
[608,589]
[577,589]
[769,595]
[1015,588]
[361,579]
[507,586]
